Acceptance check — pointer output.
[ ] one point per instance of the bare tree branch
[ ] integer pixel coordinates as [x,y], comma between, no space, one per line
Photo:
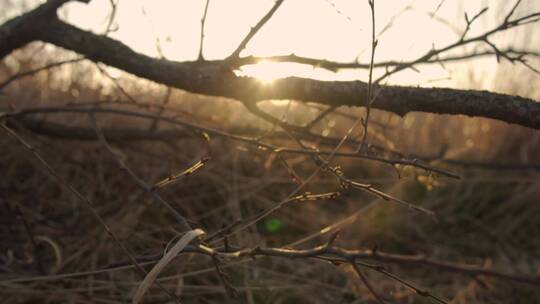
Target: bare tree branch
[338,254]
[200,57]
[216,78]
[335,66]
[369,95]
[254,30]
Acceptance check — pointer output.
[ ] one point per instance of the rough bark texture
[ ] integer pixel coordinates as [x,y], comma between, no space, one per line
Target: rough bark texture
[217,79]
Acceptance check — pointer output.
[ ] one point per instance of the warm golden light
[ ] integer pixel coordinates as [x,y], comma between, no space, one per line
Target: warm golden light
[267,71]
[338,32]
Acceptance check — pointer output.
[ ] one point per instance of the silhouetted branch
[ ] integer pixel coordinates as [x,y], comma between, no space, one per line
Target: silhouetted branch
[214,78]
[335,66]
[254,30]
[506,24]
[369,94]
[200,57]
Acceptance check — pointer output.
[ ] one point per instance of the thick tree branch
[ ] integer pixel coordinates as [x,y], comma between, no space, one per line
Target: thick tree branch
[216,78]
[21,30]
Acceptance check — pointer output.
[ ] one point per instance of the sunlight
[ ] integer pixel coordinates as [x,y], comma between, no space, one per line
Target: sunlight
[338,32]
[267,71]
[170,27]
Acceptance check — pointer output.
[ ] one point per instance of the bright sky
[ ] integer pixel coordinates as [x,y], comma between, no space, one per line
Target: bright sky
[337,30]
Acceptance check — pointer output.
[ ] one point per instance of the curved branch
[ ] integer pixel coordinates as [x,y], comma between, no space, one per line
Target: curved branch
[218,79]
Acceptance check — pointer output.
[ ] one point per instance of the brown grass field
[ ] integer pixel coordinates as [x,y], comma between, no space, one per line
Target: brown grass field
[54,251]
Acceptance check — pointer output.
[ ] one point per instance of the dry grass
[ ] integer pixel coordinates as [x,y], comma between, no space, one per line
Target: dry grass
[54,251]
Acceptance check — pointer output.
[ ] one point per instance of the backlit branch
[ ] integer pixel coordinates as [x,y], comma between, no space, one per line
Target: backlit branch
[254,30]
[203,23]
[505,25]
[335,66]
[215,78]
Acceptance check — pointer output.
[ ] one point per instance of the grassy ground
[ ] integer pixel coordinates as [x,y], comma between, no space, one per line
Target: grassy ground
[53,250]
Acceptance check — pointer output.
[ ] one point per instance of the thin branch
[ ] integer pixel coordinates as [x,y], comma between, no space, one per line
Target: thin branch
[236,54]
[336,66]
[319,117]
[181,221]
[179,176]
[418,291]
[56,130]
[322,252]
[224,278]
[116,83]
[37,70]
[402,160]
[294,129]
[369,94]
[506,24]
[397,259]
[200,57]
[112,15]
[293,196]
[367,283]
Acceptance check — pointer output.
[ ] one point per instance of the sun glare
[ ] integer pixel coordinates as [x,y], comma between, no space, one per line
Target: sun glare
[267,71]
[170,28]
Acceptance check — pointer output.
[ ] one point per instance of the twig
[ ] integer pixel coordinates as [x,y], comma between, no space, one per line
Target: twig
[178,176]
[112,15]
[335,66]
[249,140]
[367,283]
[305,132]
[224,278]
[200,57]
[418,291]
[117,84]
[330,252]
[319,117]
[506,24]
[37,70]
[369,95]
[236,54]
[180,220]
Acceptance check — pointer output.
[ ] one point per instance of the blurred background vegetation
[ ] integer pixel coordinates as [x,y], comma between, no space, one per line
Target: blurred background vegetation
[490,217]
